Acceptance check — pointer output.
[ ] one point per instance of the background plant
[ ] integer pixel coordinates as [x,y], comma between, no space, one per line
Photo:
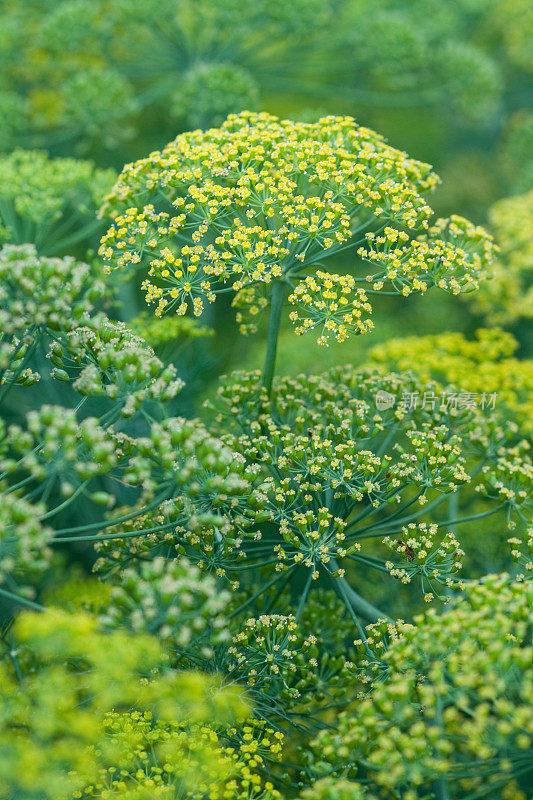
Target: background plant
[439,724]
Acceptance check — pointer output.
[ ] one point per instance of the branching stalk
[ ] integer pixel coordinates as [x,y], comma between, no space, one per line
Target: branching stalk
[276,307]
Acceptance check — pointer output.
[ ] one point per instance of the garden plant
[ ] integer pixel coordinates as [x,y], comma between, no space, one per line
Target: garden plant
[319,586]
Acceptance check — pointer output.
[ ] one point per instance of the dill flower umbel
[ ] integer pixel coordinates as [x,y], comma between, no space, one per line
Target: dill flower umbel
[261,202]
[454,713]
[421,554]
[172,599]
[522,552]
[24,541]
[50,202]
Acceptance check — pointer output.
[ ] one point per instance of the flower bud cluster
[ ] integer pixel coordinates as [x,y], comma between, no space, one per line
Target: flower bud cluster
[56,447]
[111,361]
[172,600]
[37,296]
[24,541]
[332,466]
[372,666]
[433,460]
[336,675]
[312,539]
[162,759]
[456,705]
[481,371]
[39,196]
[213,502]
[68,729]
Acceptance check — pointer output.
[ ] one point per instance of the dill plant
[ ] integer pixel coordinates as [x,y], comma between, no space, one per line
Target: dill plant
[256,207]
[453,719]
[254,545]
[88,708]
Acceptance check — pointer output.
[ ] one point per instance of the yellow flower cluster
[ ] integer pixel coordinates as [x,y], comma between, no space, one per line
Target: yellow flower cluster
[313,539]
[251,303]
[522,552]
[422,555]
[256,200]
[327,303]
[510,480]
[164,760]
[264,651]
[483,366]
[434,459]
[453,255]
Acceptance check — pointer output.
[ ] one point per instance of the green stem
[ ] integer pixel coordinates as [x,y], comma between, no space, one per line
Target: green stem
[100,526]
[471,517]
[123,535]
[358,603]
[66,502]
[440,785]
[340,588]
[303,598]
[276,307]
[362,606]
[23,601]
